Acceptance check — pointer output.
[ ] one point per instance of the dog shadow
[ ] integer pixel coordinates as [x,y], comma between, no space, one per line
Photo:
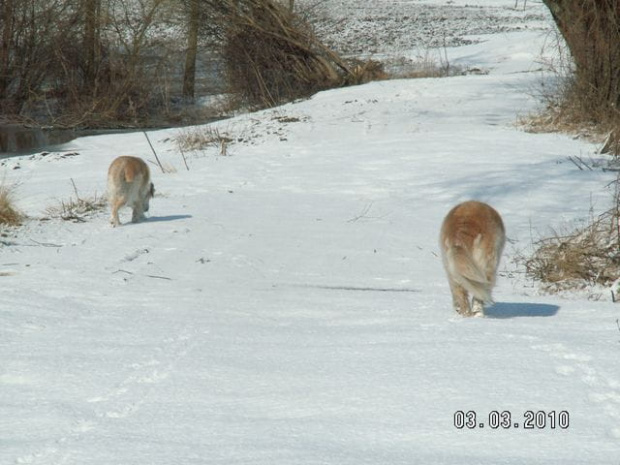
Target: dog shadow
[504,310]
[159,219]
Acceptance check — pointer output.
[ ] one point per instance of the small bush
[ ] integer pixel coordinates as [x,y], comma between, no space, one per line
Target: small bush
[271,54]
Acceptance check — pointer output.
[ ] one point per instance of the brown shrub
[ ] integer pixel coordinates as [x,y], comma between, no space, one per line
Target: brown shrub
[271,54]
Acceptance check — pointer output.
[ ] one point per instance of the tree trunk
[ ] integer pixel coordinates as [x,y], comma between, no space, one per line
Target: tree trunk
[189,79]
[6,25]
[591,29]
[91,43]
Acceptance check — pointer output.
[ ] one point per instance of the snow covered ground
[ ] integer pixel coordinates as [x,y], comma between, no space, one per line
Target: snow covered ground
[390,26]
[285,304]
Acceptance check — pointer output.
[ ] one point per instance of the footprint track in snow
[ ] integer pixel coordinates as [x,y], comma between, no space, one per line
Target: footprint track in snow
[130,257]
[121,401]
[130,394]
[604,391]
[55,453]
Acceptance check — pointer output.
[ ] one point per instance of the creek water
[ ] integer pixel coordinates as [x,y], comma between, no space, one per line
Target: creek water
[20,140]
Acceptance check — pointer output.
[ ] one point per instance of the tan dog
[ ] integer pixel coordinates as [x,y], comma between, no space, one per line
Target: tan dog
[472,239]
[129,183]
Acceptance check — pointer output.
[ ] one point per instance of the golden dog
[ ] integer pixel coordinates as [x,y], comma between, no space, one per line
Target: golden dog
[472,240]
[129,183]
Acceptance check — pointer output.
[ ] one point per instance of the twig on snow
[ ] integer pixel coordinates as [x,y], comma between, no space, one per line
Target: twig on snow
[154,152]
[158,277]
[184,159]
[46,244]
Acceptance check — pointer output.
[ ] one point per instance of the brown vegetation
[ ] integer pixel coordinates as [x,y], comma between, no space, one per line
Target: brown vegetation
[100,63]
[271,54]
[202,138]
[83,63]
[9,214]
[78,209]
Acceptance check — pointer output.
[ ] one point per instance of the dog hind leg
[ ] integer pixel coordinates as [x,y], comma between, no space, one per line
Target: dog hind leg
[460,298]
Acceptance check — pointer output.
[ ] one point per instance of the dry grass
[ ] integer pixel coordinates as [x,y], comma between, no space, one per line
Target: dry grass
[585,257]
[566,115]
[361,72]
[78,209]
[429,63]
[9,214]
[202,138]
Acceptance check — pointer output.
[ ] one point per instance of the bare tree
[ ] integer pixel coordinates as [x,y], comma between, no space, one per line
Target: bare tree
[92,9]
[31,34]
[193,24]
[6,26]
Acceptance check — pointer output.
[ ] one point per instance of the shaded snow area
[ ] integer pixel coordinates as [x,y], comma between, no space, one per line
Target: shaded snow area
[286,303]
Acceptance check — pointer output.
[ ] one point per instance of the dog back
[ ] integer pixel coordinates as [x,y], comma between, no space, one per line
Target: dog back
[128,170]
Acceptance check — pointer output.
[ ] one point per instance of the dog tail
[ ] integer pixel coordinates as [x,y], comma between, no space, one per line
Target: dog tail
[468,273]
[129,173]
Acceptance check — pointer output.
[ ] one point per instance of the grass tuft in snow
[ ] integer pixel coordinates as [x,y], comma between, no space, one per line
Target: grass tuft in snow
[9,214]
[78,209]
[203,138]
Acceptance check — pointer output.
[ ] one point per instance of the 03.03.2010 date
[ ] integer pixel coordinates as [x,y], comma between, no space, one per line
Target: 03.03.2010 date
[530,419]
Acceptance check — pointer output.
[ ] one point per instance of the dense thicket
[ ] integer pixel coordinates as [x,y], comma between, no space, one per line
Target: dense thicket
[271,54]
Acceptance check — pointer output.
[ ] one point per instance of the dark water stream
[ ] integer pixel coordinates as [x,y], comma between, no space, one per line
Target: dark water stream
[20,140]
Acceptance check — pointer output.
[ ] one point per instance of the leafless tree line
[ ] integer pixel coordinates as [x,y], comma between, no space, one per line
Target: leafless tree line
[126,62]
[89,62]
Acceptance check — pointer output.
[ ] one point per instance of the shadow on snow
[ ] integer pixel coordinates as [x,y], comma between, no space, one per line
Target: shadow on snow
[156,219]
[521,309]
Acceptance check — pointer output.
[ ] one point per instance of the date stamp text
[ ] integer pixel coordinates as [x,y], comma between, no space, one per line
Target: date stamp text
[504,419]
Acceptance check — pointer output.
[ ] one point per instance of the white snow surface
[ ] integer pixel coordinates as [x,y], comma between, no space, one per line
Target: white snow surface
[286,303]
